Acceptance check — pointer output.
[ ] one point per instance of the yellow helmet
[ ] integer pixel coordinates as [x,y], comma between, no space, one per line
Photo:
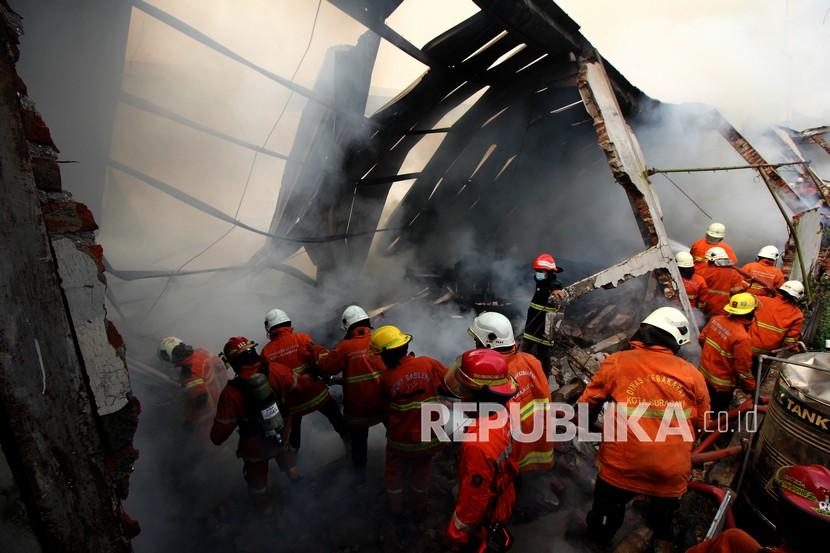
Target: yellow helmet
[388,337]
[741,304]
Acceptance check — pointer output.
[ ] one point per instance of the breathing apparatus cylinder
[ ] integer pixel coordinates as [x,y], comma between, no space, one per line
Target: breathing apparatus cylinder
[268,413]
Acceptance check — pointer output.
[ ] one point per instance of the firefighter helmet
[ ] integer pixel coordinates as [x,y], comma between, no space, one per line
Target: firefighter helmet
[741,304]
[793,288]
[389,337]
[805,491]
[716,231]
[493,330]
[478,370]
[167,346]
[546,262]
[684,260]
[716,253]
[672,321]
[769,252]
[236,346]
[351,315]
[275,317]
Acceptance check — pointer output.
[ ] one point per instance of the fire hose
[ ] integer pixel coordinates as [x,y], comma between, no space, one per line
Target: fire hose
[731,414]
[716,455]
[724,499]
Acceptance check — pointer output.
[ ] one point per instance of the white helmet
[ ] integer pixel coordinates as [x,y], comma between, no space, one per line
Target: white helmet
[716,230]
[672,321]
[275,317]
[351,315]
[769,252]
[493,330]
[794,288]
[167,346]
[716,254]
[684,260]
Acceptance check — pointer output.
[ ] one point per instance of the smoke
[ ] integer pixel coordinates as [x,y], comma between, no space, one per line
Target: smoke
[526,181]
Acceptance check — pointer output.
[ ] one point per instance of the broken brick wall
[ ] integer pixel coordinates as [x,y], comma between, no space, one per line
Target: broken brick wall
[106,411]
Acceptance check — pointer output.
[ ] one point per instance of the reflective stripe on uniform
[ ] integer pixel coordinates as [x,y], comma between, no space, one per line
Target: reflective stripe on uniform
[193,383]
[536,457]
[527,336]
[656,413]
[301,369]
[770,327]
[715,379]
[411,405]
[530,408]
[312,403]
[718,348]
[362,377]
[721,292]
[460,524]
[544,308]
[791,340]
[756,286]
[225,421]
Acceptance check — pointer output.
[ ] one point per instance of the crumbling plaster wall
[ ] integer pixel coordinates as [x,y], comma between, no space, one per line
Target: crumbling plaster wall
[106,427]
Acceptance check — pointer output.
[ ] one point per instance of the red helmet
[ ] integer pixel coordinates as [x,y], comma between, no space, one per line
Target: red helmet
[806,488]
[236,346]
[480,369]
[546,262]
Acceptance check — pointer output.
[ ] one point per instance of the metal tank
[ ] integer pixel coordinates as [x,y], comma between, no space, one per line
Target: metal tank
[796,430]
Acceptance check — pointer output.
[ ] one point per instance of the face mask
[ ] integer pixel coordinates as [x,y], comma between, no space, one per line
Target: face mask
[540,276]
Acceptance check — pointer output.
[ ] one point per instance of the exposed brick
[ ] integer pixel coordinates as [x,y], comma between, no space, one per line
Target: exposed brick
[96,252]
[65,216]
[34,128]
[47,174]
[114,336]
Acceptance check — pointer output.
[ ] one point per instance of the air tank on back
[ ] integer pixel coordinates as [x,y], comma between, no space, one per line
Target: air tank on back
[796,430]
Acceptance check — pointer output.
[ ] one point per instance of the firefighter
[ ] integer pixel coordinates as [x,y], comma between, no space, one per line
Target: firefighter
[240,407]
[494,331]
[726,351]
[804,515]
[722,278]
[486,469]
[202,375]
[714,237]
[778,319]
[649,378]
[361,377]
[696,287]
[299,352]
[406,384]
[546,299]
[765,275]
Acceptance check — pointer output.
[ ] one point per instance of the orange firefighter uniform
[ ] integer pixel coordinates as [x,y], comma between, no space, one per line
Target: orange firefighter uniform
[405,388]
[777,323]
[765,274]
[726,358]
[699,248]
[203,377]
[533,400]
[697,290]
[723,283]
[649,377]
[235,411]
[486,494]
[298,352]
[363,405]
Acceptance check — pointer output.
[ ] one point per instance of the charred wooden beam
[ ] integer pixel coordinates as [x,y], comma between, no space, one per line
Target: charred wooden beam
[754,157]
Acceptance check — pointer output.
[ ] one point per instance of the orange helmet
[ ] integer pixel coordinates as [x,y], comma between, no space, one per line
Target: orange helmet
[478,370]
[546,262]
